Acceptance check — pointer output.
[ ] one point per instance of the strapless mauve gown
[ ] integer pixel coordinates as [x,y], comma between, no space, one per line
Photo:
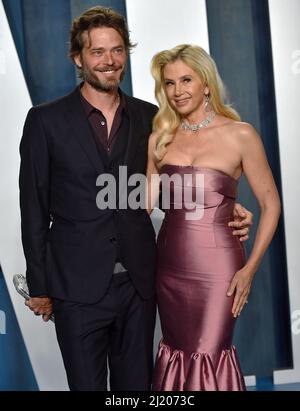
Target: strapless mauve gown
[197,260]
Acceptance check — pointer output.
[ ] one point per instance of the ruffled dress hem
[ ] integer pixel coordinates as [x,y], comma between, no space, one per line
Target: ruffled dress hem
[177,371]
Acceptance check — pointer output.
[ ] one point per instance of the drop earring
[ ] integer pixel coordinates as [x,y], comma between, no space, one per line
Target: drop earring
[207,106]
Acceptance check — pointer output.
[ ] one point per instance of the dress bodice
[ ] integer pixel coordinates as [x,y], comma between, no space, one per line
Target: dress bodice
[207,189]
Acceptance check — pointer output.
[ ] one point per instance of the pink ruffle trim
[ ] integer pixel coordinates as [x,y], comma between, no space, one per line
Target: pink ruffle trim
[177,371]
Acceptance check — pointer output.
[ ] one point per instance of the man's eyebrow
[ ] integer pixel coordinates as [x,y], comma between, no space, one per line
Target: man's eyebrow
[103,48]
[97,48]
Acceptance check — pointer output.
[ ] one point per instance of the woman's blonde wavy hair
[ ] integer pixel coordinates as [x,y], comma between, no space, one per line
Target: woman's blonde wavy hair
[167,120]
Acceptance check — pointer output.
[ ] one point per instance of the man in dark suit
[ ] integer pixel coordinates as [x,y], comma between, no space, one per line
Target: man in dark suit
[93,268]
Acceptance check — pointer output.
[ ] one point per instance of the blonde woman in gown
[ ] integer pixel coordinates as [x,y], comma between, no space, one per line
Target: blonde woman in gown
[203,278]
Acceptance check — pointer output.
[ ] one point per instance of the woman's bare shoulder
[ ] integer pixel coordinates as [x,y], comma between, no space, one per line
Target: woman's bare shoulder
[244,129]
[240,130]
[237,135]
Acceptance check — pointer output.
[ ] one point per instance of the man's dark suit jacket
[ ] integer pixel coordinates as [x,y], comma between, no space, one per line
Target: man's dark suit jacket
[74,258]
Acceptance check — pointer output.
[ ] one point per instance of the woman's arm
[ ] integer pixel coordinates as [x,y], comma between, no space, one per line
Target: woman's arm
[257,170]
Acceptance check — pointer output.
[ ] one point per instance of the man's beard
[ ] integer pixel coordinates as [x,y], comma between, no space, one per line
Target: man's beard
[100,85]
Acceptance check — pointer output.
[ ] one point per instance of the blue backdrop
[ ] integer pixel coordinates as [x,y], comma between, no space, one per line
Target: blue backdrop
[15,368]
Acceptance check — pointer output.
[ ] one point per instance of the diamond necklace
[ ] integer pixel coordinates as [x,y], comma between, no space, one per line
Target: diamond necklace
[197,126]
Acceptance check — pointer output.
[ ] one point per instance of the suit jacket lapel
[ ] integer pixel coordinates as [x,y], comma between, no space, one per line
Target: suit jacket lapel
[82,130]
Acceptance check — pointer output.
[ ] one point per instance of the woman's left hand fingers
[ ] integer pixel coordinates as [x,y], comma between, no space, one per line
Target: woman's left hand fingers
[243,300]
[236,301]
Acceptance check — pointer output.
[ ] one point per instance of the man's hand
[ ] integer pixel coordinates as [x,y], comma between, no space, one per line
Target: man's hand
[41,306]
[243,219]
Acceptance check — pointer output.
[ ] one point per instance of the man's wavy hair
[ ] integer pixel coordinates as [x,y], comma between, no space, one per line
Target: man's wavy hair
[96,17]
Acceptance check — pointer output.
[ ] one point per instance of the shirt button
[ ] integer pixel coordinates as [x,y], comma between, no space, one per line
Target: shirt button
[102,123]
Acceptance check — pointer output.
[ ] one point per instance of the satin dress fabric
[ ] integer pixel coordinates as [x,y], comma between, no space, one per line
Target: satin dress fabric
[197,259]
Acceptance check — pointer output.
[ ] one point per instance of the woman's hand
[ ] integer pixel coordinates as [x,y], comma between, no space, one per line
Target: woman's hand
[241,284]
